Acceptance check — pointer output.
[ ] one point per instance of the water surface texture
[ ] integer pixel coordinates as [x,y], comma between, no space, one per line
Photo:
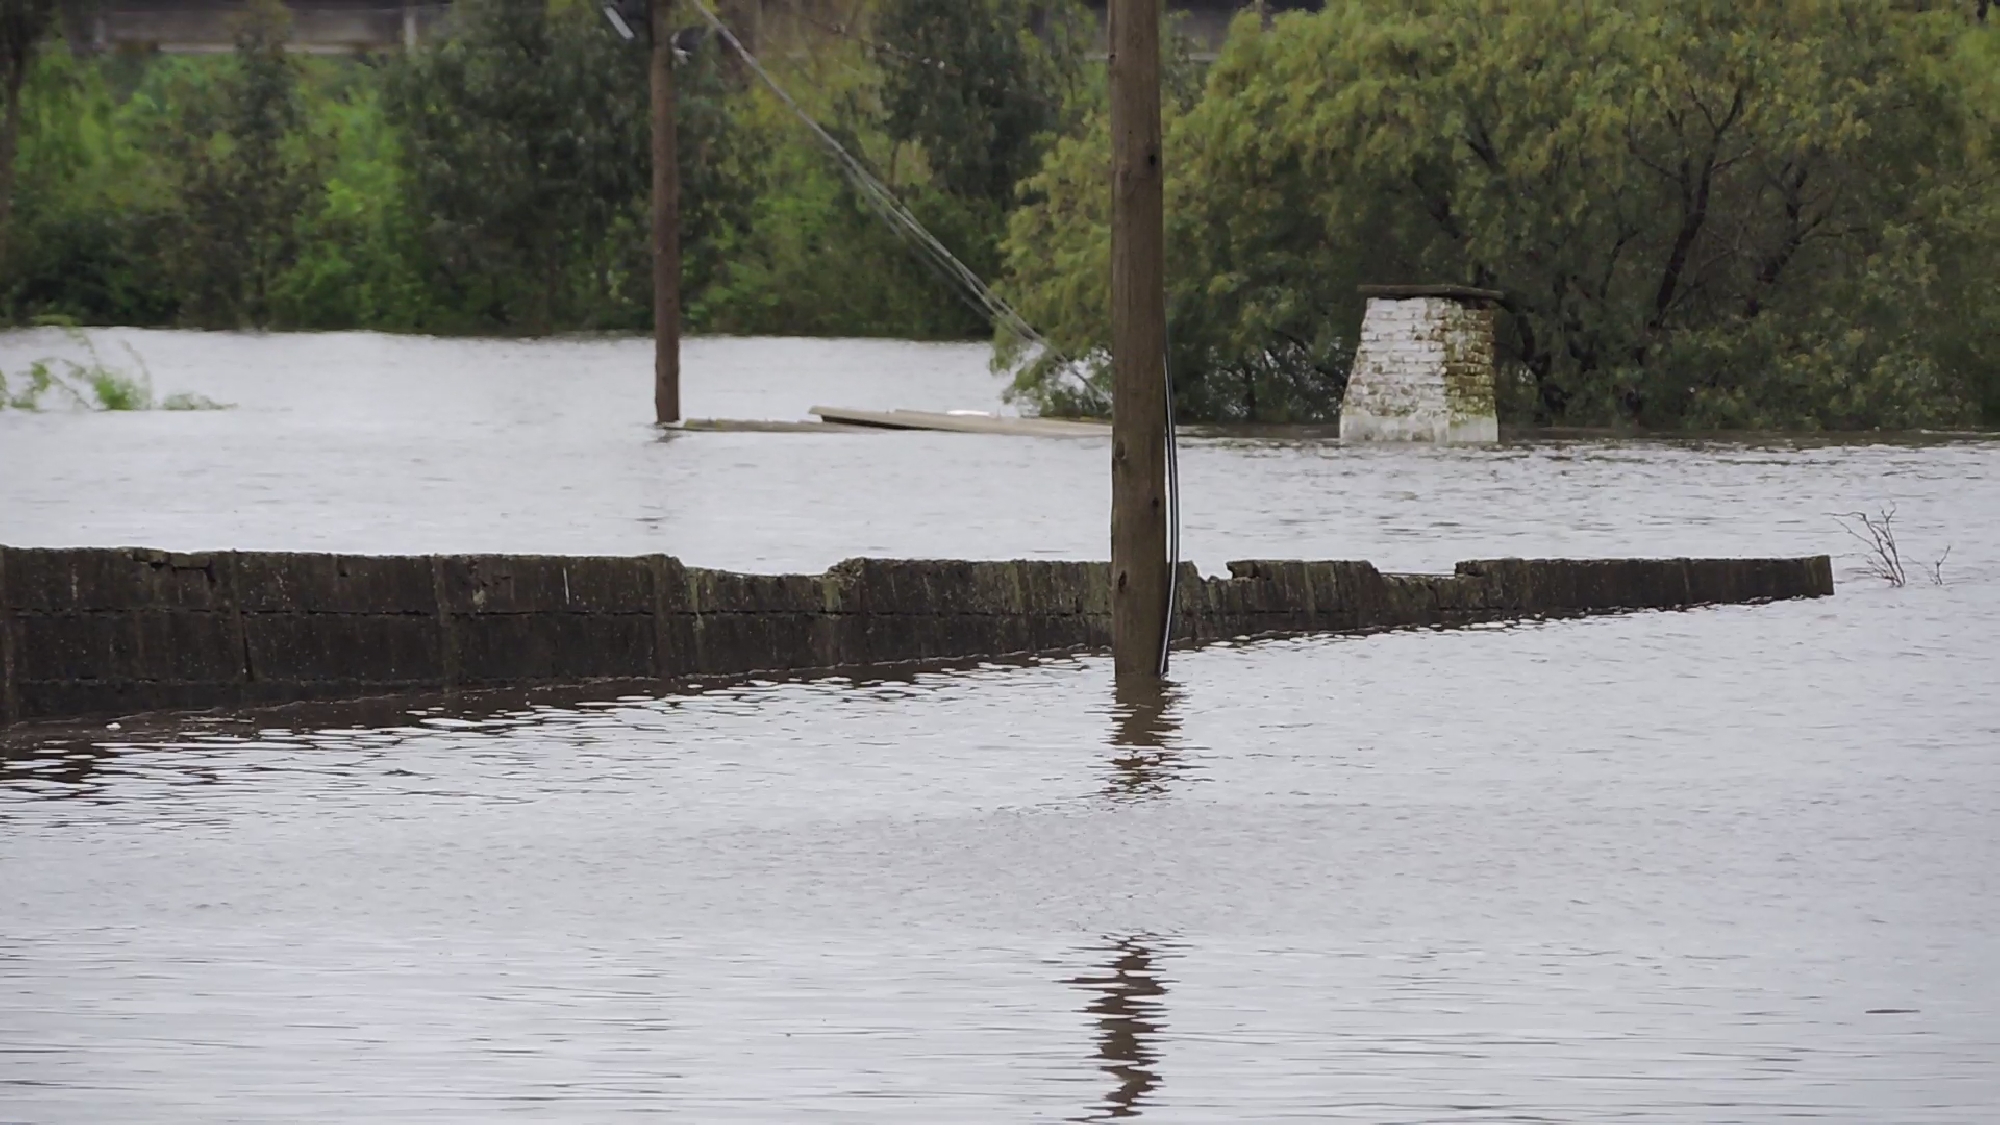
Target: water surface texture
[1726,865]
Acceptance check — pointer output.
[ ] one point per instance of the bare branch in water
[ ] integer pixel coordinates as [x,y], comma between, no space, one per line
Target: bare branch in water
[1878,534]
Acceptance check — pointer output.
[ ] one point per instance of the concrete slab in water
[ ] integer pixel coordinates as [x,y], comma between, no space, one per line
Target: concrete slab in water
[962,423]
[761,426]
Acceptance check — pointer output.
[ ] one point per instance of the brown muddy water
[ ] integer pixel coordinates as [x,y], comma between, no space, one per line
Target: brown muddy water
[1726,865]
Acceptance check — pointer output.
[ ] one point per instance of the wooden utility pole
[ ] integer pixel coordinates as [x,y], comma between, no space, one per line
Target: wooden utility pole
[1138,344]
[666,221]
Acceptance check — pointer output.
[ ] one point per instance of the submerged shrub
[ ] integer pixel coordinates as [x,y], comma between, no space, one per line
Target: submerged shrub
[93,384]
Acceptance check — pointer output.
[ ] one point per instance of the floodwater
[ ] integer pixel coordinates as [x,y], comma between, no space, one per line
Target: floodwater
[1733,864]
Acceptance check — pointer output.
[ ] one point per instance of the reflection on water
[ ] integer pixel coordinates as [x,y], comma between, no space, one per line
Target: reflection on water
[57,769]
[1144,729]
[1129,1012]
[1126,1005]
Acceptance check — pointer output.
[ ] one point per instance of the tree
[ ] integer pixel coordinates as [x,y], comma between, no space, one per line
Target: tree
[979,88]
[1732,213]
[248,178]
[978,84]
[527,152]
[87,194]
[23,26]
[1256,298]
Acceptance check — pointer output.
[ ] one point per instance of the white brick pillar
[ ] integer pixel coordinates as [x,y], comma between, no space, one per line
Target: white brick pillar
[1424,367]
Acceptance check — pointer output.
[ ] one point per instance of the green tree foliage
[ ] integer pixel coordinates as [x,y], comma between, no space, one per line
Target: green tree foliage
[979,84]
[247,176]
[527,155]
[815,260]
[903,95]
[1743,214]
[950,102]
[525,142]
[362,262]
[86,196]
[23,26]
[1703,214]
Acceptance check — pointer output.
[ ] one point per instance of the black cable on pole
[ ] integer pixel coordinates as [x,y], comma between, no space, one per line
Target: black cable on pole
[1173,511]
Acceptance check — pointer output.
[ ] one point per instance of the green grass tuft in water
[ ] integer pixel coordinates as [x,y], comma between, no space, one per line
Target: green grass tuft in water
[94,384]
[187,401]
[116,390]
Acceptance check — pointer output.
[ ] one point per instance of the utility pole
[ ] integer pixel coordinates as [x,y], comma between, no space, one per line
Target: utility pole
[1138,345]
[666,221]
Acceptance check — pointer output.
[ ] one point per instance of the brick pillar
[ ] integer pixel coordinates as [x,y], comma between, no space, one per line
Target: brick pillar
[1424,367]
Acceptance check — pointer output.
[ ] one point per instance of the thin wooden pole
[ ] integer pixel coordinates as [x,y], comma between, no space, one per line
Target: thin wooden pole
[1138,344]
[666,221]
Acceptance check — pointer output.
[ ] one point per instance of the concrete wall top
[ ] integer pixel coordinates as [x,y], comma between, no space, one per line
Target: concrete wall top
[101,631]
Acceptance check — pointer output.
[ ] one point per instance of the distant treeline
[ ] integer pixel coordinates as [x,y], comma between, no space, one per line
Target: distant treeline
[1704,213]
[496,181]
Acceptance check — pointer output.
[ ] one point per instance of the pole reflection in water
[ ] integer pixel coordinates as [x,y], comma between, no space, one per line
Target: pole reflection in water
[1145,726]
[1129,1013]
[1126,1001]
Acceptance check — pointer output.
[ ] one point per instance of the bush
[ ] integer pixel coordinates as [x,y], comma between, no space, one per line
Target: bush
[246,178]
[84,239]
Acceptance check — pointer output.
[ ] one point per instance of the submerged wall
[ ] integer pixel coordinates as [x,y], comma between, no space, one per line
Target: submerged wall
[1423,370]
[110,631]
